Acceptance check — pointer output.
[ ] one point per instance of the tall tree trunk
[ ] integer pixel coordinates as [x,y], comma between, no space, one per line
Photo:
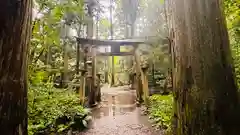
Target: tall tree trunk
[15,32]
[206,92]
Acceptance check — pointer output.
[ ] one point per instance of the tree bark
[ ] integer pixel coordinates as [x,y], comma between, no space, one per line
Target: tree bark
[15,33]
[206,93]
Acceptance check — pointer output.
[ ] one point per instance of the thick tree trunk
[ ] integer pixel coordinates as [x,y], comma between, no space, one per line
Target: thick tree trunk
[206,93]
[15,32]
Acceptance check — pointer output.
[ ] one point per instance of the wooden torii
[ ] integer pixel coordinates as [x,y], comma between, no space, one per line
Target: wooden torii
[89,72]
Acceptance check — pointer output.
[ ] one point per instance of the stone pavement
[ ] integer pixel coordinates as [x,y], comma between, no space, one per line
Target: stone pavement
[118,115]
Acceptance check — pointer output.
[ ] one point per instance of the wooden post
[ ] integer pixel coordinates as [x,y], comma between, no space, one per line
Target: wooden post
[145,84]
[91,95]
[78,59]
[82,87]
[139,88]
[85,86]
[94,90]
[113,74]
[65,75]
[111,33]
[93,52]
[90,85]
[77,69]
[98,89]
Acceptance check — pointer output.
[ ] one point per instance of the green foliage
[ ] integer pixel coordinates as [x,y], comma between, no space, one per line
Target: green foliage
[232,12]
[54,110]
[162,1]
[161,110]
[49,21]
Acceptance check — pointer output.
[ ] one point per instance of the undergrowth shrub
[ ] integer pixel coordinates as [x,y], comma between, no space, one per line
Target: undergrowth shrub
[161,110]
[54,110]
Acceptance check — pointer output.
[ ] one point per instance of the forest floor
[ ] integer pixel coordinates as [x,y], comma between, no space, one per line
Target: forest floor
[118,115]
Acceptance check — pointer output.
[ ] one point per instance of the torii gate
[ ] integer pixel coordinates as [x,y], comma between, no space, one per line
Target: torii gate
[89,46]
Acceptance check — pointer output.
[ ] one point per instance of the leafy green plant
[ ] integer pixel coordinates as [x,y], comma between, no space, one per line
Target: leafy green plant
[160,110]
[232,12]
[54,110]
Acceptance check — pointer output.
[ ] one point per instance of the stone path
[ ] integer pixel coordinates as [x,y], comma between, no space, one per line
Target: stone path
[118,115]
